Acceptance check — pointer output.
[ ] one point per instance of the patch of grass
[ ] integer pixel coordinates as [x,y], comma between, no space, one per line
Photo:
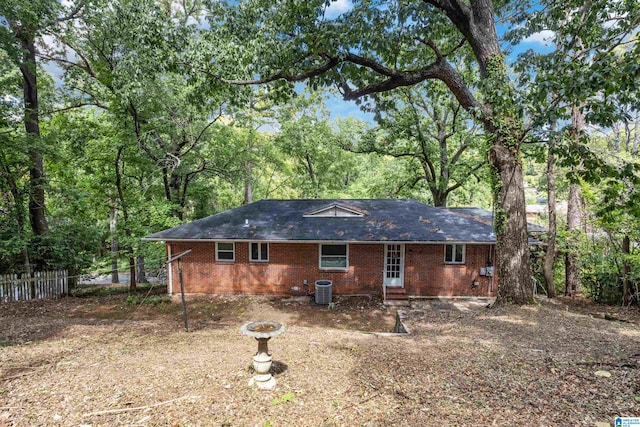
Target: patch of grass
[150,300]
[87,291]
[287,397]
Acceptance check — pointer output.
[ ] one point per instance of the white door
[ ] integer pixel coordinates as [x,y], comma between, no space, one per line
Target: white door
[394,265]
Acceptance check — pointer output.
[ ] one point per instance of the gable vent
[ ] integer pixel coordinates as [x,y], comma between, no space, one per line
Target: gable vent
[335,210]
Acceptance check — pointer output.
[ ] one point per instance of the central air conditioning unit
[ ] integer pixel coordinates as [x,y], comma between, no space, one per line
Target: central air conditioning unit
[323,291]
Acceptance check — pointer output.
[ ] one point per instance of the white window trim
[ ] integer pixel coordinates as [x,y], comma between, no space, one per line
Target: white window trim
[454,262]
[251,252]
[233,251]
[332,268]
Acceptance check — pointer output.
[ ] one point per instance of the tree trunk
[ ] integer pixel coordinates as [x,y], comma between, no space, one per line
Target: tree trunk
[503,124]
[636,137]
[37,212]
[248,171]
[439,199]
[140,273]
[572,274]
[550,255]
[626,282]
[312,175]
[248,188]
[165,183]
[512,246]
[175,185]
[18,210]
[113,221]
[574,218]
[132,274]
[125,217]
[443,182]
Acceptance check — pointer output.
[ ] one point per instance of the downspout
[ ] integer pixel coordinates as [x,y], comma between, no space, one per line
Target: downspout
[170,272]
[492,248]
[384,292]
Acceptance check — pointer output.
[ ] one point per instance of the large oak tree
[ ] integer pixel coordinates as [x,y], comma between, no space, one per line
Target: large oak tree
[381,46]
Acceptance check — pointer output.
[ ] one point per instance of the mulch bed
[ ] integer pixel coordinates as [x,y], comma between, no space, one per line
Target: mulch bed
[100,360]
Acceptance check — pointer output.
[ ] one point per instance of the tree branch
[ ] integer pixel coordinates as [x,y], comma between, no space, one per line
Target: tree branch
[72,13]
[460,183]
[430,171]
[328,65]
[71,107]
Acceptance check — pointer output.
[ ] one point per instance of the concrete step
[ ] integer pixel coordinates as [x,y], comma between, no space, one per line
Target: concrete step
[397,297]
[397,302]
[397,294]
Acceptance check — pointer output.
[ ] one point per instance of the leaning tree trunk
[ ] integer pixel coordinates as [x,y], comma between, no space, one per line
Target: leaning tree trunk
[37,212]
[550,255]
[512,249]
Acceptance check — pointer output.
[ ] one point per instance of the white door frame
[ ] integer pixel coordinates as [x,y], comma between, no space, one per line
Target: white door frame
[397,278]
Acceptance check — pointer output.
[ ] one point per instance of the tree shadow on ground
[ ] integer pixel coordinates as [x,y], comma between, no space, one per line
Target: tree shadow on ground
[495,367]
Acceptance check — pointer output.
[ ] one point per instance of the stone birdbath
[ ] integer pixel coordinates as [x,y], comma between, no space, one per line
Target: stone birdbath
[263,331]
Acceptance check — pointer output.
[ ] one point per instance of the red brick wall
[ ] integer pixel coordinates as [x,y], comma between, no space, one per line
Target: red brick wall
[291,263]
[426,273]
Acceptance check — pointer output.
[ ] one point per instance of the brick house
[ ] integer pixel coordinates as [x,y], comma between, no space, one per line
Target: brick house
[394,247]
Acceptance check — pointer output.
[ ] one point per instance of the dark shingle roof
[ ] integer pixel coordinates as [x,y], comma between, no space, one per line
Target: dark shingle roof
[396,220]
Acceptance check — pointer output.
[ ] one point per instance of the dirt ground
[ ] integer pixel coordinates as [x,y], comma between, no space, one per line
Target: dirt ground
[102,361]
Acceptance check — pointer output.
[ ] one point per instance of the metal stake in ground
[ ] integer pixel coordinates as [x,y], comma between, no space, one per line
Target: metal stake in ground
[184,303]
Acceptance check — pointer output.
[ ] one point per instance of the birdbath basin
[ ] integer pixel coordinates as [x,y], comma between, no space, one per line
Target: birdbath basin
[263,331]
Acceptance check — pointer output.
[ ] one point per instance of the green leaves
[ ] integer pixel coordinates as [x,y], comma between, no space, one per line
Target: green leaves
[429,135]
[287,397]
[590,62]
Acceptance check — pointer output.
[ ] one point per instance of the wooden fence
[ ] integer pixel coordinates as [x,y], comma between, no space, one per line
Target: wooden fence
[42,284]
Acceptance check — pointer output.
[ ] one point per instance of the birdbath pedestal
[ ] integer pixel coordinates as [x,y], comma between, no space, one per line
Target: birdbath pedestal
[263,331]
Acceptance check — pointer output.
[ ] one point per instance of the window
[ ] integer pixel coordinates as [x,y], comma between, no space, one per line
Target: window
[454,254]
[225,251]
[259,252]
[334,257]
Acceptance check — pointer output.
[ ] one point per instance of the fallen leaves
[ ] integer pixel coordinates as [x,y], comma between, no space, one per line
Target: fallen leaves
[462,364]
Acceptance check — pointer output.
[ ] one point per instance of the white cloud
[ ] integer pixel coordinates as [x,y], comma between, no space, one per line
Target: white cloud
[544,37]
[337,8]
